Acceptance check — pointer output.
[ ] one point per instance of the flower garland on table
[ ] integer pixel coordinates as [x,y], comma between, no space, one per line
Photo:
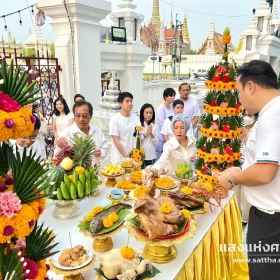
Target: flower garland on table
[93,212]
[138,153]
[110,220]
[127,253]
[16,219]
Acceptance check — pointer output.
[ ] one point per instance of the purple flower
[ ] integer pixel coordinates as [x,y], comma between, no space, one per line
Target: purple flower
[33,119]
[9,181]
[9,123]
[31,223]
[48,267]
[3,188]
[8,230]
[40,209]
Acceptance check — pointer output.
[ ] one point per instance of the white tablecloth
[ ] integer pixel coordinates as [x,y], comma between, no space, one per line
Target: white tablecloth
[168,271]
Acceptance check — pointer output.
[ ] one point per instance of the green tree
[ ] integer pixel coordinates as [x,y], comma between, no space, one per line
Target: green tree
[192,52]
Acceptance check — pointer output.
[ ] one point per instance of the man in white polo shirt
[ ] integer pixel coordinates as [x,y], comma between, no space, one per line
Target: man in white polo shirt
[257,87]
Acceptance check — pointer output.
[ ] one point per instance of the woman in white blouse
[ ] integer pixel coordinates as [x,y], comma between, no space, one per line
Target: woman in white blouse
[62,117]
[149,134]
[179,149]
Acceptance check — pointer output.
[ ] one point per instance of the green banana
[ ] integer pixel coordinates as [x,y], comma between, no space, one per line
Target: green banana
[64,191]
[67,181]
[91,171]
[82,179]
[87,174]
[94,184]
[73,191]
[75,178]
[88,187]
[81,190]
[59,194]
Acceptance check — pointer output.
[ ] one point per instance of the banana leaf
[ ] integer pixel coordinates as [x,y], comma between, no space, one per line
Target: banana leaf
[123,213]
[145,275]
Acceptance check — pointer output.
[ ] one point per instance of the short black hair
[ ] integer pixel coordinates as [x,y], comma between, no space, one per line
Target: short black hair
[123,95]
[82,103]
[259,72]
[143,108]
[66,108]
[168,92]
[185,84]
[37,124]
[78,95]
[178,101]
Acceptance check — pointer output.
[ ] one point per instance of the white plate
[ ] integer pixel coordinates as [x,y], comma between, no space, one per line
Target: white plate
[58,265]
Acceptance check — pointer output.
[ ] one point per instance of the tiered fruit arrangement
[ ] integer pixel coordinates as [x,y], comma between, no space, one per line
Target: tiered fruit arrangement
[184,171]
[74,178]
[24,246]
[221,122]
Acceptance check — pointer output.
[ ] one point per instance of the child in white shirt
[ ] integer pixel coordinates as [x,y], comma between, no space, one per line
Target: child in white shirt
[149,135]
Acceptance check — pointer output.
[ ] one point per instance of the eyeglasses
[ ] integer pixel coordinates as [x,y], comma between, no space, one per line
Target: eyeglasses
[32,138]
[79,116]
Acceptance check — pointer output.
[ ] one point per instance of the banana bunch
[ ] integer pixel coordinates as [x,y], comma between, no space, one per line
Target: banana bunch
[112,169]
[78,186]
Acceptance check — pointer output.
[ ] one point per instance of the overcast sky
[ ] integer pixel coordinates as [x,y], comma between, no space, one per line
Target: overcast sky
[198,23]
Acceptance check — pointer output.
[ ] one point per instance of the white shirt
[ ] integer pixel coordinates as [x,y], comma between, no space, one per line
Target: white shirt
[173,153]
[62,122]
[161,114]
[96,135]
[38,147]
[191,108]
[149,143]
[167,130]
[263,147]
[124,128]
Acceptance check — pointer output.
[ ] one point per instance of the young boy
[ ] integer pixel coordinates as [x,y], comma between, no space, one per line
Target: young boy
[166,131]
[122,127]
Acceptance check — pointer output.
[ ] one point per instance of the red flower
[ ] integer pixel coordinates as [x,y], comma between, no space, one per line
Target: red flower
[226,128]
[229,152]
[31,268]
[236,106]
[203,149]
[225,79]
[213,103]
[8,104]
[215,79]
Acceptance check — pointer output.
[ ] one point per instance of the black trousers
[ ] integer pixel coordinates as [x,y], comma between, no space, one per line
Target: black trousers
[263,258]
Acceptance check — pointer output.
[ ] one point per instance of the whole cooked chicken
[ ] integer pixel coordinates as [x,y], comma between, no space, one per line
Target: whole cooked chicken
[153,221]
[115,266]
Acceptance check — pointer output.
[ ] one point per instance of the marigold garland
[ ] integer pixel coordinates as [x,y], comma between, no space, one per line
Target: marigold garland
[216,110]
[207,132]
[127,253]
[166,208]
[220,86]
[208,186]
[217,157]
[15,125]
[186,190]
[107,223]
[206,178]
[93,212]
[186,213]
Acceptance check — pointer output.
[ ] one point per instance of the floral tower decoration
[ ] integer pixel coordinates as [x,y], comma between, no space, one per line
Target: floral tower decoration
[24,245]
[138,153]
[221,122]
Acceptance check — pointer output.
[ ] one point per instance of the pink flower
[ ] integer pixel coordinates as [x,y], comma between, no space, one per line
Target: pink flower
[229,152]
[214,151]
[8,104]
[9,123]
[33,118]
[215,79]
[214,127]
[21,243]
[224,105]
[30,270]
[222,69]
[9,204]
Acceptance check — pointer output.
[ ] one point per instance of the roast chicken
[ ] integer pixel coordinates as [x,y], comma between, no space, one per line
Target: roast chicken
[153,221]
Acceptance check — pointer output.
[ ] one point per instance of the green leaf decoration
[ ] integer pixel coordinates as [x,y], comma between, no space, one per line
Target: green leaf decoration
[211,72]
[220,98]
[10,263]
[209,97]
[200,142]
[16,84]
[199,163]
[40,243]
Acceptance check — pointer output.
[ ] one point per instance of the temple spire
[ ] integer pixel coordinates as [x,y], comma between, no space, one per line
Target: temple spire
[185,32]
[171,19]
[156,16]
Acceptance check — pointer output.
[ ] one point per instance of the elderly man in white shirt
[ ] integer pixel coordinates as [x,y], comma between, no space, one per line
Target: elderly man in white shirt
[260,177]
[83,113]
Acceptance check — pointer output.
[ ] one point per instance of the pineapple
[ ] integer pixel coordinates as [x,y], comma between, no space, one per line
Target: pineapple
[82,150]
[39,243]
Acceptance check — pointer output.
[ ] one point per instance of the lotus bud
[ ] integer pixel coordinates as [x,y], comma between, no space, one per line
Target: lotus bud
[38,79]
[1,81]
[9,123]
[227,31]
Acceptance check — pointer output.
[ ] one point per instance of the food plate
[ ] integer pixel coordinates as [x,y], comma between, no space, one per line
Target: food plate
[112,176]
[131,194]
[184,227]
[165,170]
[58,265]
[176,184]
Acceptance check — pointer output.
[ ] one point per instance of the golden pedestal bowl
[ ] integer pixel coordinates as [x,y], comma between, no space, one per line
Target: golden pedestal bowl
[111,179]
